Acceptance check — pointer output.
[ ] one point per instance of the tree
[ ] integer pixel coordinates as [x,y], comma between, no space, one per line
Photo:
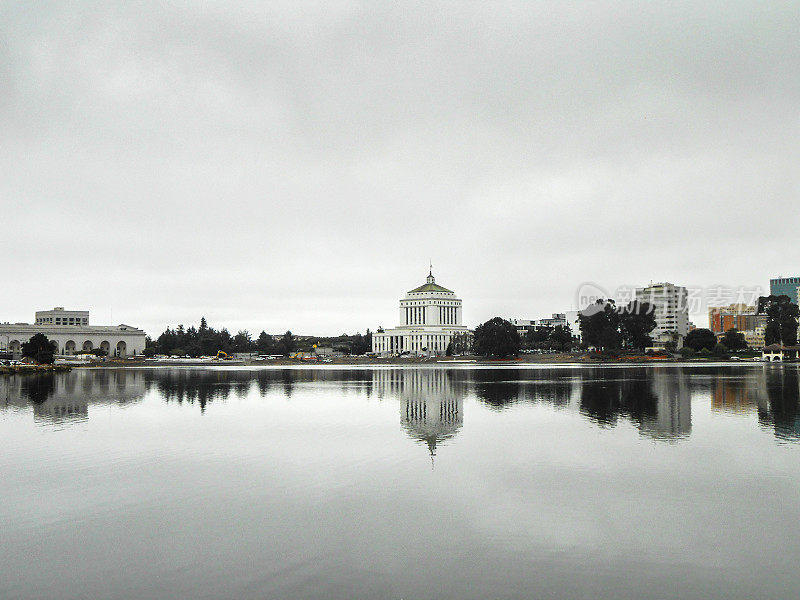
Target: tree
[264,343]
[549,338]
[242,342]
[772,333]
[287,343]
[537,337]
[496,337]
[636,321]
[40,349]
[720,349]
[41,387]
[599,324]
[560,338]
[359,345]
[368,340]
[462,343]
[734,340]
[782,316]
[697,339]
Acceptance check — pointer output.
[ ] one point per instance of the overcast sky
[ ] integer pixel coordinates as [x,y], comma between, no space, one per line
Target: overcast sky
[296,165]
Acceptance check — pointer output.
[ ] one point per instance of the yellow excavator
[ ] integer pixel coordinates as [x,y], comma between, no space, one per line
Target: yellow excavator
[222,355]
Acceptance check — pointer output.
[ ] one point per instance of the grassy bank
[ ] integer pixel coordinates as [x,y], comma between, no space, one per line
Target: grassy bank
[33,369]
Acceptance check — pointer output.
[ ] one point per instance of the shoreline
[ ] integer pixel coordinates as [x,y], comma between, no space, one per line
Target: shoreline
[466,361]
[33,369]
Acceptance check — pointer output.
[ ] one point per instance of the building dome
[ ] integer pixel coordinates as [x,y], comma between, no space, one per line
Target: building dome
[430,285]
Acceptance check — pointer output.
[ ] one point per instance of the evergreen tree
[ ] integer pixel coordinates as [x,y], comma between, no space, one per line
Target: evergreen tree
[287,344]
[264,343]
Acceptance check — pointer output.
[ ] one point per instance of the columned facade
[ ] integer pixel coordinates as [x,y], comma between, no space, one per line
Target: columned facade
[430,316]
[73,335]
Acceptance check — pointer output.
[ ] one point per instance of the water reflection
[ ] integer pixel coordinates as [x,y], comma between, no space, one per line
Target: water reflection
[65,398]
[780,410]
[199,386]
[736,395]
[431,402]
[549,487]
[656,400]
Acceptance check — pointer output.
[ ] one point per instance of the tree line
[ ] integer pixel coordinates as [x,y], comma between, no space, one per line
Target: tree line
[605,326]
[204,340]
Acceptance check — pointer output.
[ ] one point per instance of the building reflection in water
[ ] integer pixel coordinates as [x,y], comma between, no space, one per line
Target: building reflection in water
[65,398]
[673,410]
[431,402]
[734,395]
[770,390]
[656,400]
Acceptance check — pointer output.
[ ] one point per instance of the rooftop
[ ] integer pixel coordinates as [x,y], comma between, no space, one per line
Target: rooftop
[430,286]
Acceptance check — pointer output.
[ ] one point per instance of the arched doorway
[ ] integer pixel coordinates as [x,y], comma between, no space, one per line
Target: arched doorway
[105,346]
[69,347]
[15,347]
[122,349]
[88,346]
[54,345]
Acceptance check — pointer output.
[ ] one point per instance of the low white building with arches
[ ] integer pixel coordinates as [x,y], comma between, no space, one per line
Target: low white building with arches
[72,334]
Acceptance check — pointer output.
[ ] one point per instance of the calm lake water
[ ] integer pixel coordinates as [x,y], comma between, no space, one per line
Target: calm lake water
[417,483]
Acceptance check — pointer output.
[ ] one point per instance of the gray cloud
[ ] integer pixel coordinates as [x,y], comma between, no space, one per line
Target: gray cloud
[295,166]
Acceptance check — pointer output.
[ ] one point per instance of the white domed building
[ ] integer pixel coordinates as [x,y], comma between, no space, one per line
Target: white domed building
[430,316]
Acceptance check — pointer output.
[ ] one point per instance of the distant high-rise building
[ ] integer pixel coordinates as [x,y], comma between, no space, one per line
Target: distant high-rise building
[734,316]
[741,317]
[671,309]
[785,286]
